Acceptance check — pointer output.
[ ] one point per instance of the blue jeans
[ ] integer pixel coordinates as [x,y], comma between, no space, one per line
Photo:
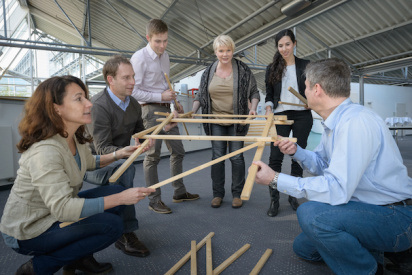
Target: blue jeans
[57,246]
[101,177]
[219,149]
[352,237]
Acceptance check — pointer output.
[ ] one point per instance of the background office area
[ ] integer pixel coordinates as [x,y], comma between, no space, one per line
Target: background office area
[44,38]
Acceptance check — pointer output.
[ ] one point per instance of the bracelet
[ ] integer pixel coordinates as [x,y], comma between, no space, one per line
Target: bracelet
[114,155]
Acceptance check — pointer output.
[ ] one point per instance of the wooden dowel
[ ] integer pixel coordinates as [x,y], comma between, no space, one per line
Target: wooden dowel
[250,180]
[209,262]
[227,138]
[261,262]
[293,104]
[171,88]
[144,132]
[176,105]
[138,151]
[232,121]
[275,117]
[298,95]
[186,257]
[203,166]
[231,259]
[193,260]
[188,114]
[64,224]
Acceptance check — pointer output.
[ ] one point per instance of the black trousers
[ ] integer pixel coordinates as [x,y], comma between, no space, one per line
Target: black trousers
[301,127]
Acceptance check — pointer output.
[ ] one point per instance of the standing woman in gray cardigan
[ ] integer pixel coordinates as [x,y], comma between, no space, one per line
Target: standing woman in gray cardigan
[285,71]
[55,157]
[227,87]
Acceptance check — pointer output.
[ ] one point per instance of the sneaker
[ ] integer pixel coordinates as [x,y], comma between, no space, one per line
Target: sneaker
[237,203]
[159,207]
[216,202]
[185,197]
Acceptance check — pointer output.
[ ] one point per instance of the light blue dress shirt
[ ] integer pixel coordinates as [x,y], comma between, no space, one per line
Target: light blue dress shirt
[356,160]
[121,104]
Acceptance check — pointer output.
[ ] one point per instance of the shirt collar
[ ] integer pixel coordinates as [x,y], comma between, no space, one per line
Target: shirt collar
[151,52]
[334,117]
[117,100]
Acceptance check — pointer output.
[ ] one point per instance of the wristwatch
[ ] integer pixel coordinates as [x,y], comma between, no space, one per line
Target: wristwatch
[274,183]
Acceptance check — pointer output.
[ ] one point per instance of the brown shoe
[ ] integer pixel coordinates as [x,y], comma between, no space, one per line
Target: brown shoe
[130,245]
[237,203]
[88,265]
[216,202]
[159,207]
[26,269]
[185,197]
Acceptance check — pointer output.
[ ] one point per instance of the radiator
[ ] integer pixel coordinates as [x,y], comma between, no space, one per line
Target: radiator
[6,153]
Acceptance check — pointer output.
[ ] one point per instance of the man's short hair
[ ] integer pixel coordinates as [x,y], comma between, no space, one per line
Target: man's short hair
[223,40]
[111,66]
[332,74]
[156,26]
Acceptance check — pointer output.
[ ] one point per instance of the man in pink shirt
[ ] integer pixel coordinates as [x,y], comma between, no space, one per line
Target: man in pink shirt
[151,90]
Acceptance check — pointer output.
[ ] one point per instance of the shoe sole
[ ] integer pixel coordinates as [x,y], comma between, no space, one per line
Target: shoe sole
[131,254]
[237,206]
[160,212]
[73,272]
[182,200]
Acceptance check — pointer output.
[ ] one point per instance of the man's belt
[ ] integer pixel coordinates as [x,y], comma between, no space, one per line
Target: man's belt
[404,202]
[167,105]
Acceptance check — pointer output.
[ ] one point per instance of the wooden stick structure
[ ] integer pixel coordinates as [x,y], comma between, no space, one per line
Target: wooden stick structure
[176,106]
[209,262]
[250,180]
[275,117]
[185,258]
[139,150]
[293,104]
[193,260]
[203,166]
[298,95]
[255,127]
[261,262]
[231,259]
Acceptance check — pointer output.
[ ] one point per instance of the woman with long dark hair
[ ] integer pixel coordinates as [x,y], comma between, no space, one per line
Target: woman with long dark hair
[285,71]
[55,157]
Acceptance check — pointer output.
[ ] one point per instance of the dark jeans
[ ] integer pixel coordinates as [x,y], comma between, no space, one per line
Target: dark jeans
[101,177]
[219,149]
[301,128]
[57,246]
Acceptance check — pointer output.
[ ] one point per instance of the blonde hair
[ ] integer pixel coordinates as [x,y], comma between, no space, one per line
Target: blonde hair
[223,40]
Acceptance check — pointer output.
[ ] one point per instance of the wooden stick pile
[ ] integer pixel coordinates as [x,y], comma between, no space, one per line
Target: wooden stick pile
[192,255]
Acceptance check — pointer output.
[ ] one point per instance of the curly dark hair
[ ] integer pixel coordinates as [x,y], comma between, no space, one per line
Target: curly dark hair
[40,119]
[278,65]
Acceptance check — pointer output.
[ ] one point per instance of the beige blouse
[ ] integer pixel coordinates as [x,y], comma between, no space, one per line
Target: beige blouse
[221,94]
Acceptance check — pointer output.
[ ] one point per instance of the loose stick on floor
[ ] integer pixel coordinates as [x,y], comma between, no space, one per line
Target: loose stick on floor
[203,166]
[261,262]
[298,95]
[209,263]
[186,257]
[250,180]
[139,150]
[193,260]
[231,259]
